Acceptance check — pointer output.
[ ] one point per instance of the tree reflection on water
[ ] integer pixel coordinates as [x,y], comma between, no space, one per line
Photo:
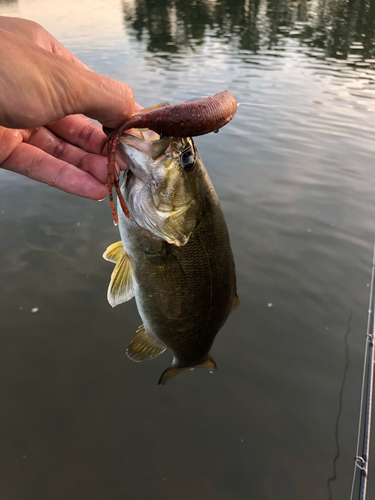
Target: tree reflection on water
[337,26]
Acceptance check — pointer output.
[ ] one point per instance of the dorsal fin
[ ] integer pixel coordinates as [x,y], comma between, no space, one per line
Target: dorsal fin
[114,252]
[151,108]
[121,285]
[144,346]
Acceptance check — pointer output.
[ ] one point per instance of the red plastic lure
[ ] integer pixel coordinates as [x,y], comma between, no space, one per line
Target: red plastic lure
[187,119]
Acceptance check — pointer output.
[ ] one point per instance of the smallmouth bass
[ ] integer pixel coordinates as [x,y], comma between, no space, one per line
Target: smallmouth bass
[174,256]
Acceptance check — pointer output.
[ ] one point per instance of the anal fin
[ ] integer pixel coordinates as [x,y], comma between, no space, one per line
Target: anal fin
[144,346]
[236,302]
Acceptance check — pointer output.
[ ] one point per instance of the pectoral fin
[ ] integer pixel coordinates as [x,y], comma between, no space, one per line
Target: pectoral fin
[174,370]
[114,252]
[121,285]
[144,346]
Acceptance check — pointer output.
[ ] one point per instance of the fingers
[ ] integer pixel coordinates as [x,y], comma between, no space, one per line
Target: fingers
[81,131]
[41,83]
[95,165]
[40,166]
[77,130]
[109,101]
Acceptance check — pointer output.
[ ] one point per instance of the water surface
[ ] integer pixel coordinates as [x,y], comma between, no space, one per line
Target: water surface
[80,420]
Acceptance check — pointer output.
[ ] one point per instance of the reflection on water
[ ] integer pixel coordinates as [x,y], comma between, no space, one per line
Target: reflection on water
[333,478]
[338,27]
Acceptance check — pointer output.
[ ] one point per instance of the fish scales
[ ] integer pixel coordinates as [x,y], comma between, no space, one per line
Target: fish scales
[183,276]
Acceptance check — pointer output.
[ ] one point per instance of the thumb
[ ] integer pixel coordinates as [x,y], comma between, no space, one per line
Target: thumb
[38,87]
[99,97]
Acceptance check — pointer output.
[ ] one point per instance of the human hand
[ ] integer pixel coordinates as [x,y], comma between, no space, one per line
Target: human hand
[44,93]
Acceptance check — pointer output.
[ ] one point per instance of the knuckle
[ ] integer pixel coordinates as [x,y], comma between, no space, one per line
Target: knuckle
[85,135]
[85,162]
[59,149]
[9,140]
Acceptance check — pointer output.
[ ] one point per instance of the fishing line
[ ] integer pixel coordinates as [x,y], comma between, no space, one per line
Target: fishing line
[266,105]
[247,100]
[359,462]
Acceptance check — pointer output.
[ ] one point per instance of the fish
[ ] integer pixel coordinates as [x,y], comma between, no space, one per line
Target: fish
[174,256]
[198,116]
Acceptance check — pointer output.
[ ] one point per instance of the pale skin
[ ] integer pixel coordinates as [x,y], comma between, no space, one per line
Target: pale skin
[47,97]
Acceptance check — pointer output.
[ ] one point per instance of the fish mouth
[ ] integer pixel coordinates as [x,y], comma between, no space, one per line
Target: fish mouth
[135,150]
[152,184]
[149,157]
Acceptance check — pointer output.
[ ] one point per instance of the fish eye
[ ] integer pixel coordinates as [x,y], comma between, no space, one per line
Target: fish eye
[188,159]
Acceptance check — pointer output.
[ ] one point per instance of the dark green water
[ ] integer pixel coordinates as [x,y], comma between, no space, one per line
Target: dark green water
[81,421]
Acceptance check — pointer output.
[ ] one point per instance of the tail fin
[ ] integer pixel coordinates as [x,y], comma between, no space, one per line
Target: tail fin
[174,370]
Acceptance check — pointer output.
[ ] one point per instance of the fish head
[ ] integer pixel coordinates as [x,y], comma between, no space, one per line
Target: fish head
[163,189]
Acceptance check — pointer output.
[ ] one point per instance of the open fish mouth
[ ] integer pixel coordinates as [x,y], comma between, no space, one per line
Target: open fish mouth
[158,191]
[136,151]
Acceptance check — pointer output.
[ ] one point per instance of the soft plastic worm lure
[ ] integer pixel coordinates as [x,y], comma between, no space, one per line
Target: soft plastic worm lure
[188,119]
